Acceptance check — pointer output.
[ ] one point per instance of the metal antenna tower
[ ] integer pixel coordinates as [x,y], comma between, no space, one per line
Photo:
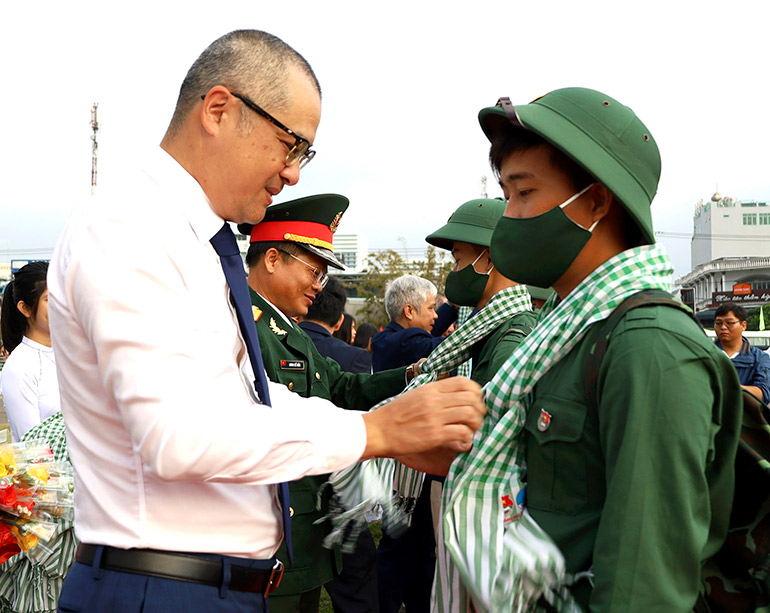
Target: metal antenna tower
[95,146]
[484,186]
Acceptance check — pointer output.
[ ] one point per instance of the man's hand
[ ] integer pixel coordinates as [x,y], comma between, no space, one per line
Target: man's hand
[443,413]
[435,461]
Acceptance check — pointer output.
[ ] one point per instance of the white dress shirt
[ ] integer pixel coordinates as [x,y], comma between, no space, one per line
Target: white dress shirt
[171,449]
[30,390]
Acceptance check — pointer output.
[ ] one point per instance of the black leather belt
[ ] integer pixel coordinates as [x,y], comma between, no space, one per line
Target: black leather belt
[183,567]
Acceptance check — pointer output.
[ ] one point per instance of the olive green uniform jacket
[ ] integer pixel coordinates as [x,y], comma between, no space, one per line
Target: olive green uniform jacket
[291,358]
[637,482]
[491,352]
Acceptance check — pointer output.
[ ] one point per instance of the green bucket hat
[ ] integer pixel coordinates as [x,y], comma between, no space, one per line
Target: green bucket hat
[473,222]
[599,133]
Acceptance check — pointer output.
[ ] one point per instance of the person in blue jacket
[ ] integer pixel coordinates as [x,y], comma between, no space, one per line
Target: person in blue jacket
[752,364]
[410,302]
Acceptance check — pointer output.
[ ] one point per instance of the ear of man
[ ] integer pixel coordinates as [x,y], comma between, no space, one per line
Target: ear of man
[218,105]
[338,325]
[270,260]
[601,202]
[485,261]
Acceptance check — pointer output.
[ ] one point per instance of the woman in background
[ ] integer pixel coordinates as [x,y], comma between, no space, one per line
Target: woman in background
[31,582]
[29,385]
[364,335]
[347,331]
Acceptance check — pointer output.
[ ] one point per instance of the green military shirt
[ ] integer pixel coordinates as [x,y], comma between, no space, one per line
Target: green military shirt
[637,484]
[291,358]
[490,353]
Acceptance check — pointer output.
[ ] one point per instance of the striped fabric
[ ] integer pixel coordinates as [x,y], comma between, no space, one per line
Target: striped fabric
[463,315]
[374,481]
[31,582]
[490,551]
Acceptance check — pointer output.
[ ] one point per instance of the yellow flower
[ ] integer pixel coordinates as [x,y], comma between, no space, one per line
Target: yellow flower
[39,472]
[26,541]
[7,461]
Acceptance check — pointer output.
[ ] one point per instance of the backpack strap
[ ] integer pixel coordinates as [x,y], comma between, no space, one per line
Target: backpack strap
[646,297]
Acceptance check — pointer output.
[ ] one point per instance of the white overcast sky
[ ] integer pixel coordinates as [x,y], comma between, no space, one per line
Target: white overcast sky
[402,84]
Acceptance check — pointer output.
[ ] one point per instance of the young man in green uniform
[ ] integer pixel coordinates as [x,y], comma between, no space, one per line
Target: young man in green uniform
[474,281]
[287,260]
[632,480]
[501,319]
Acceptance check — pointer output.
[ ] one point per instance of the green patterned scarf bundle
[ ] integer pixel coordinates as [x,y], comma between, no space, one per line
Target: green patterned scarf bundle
[31,582]
[374,480]
[490,550]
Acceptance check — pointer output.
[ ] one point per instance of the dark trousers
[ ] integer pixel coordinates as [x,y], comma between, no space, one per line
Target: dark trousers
[306,602]
[406,564]
[354,590]
[97,590]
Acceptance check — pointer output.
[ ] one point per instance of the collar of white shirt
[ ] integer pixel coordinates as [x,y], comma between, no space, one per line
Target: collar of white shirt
[164,170]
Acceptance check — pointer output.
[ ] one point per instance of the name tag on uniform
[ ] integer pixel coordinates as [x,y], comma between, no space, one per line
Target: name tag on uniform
[292,364]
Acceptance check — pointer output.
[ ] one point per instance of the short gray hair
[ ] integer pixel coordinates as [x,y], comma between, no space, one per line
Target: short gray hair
[248,62]
[407,289]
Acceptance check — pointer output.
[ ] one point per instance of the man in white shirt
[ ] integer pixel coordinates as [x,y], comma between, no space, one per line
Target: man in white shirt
[171,448]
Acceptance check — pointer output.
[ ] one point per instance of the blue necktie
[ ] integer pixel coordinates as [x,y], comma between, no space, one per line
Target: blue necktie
[232,265]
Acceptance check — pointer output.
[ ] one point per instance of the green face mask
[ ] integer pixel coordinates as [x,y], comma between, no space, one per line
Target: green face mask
[539,250]
[465,287]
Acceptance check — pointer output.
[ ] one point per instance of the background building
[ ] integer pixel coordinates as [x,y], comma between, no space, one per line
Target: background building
[352,250]
[730,253]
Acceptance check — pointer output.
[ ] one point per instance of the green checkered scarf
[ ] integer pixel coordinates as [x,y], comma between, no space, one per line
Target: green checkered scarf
[374,480]
[490,550]
[463,315]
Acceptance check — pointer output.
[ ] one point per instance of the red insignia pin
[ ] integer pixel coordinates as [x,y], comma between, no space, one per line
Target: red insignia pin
[544,421]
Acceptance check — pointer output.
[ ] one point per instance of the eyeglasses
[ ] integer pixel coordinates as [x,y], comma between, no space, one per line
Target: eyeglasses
[319,276]
[299,152]
[720,323]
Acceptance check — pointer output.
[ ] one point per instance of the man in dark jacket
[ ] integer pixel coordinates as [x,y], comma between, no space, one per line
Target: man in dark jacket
[323,318]
[410,302]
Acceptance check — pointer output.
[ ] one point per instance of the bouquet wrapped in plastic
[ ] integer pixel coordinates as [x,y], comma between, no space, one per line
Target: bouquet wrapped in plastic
[35,494]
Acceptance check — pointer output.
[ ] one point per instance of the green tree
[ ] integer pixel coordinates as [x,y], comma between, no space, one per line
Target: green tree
[435,267]
[752,321]
[383,266]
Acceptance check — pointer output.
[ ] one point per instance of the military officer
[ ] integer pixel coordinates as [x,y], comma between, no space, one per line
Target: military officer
[287,259]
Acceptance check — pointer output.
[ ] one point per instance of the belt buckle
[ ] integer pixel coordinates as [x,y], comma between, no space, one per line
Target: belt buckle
[276,574]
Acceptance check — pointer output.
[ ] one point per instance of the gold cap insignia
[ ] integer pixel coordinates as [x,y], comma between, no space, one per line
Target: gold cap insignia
[335,222]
